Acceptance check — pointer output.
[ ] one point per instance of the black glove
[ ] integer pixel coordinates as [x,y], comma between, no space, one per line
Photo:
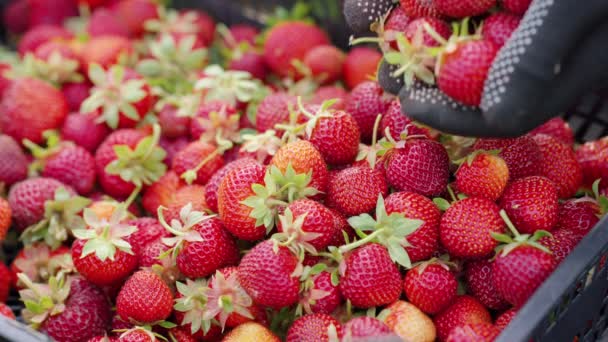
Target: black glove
[557,55]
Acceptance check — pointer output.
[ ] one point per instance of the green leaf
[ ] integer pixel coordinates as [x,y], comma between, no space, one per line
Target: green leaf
[129,111]
[362,222]
[399,255]
[167,324]
[441,203]
[97,75]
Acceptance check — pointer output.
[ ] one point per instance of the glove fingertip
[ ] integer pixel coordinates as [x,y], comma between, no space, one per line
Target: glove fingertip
[360,14]
[389,83]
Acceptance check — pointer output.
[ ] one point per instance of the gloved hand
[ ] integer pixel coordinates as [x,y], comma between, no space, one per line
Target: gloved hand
[557,55]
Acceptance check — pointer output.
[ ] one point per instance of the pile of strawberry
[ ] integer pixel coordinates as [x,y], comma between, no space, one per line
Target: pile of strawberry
[174,178]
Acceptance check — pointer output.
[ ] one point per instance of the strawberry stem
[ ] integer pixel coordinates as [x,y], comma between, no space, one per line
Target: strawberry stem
[361,242]
[509,223]
[191,175]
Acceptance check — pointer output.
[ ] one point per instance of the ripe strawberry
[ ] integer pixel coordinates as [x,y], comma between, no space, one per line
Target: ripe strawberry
[531,203]
[104,22]
[149,230]
[505,318]
[42,12]
[39,263]
[200,158]
[464,310]
[420,8]
[321,296]
[106,51]
[188,194]
[267,276]
[593,159]
[75,94]
[251,332]
[336,135]
[430,286]
[478,275]
[462,9]
[409,323]
[241,33]
[421,166]
[273,110]
[355,190]
[464,69]
[314,327]
[251,62]
[304,158]
[135,13]
[330,92]
[561,243]
[212,187]
[372,261]
[6,311]
[288,41]
[325,63]
[144,298]
[559,165]
[83,130]
[181,334]
[14,163]
[41,34]
[578,216]
[5,82]
[423,243]
[365,327]
[316,225]
[148,256]
[481,332]
[557,128]
[360,65]
[416,27]
[5,283]
[22,104]
[365,103]
[498,27]
[5,218]
[15,16]
[173,126]
[203,125]
[518,7]
[161,192]
[27,199]
[483,175]
[522,155]
[172,147]
[397,21]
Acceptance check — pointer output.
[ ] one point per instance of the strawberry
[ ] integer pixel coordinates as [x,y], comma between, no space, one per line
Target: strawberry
[416,27]
[191,307]
[464,310]
[559,165]
[75,94]
[593,159]
[314,327]
[409,323]
[205,126]
[200,159]
[144,298]
[188,194]
[464,68]
[6,311]
[15,16]
[148,256]
[104,22]
[330,92]
[5,218]
[66,310]
[557,128]
[42,12]
[27,200]
[251,332]
[320,295]
[161,192]
[106,51]
[39,263]
[360,65]
[304,157]
[24,100]
[41,34]
[531,203]
[251,62]
[149,230]
[578,216]
[242,33]
[522,155]
[365,103]
[212,187]
[268,276]
[420,8]
[100,252]
[135,13]
[14,163]
[289,41]
[420,166]
[561,243]
[397,21]
[364,326]
[483,175]
[325,63]
[5,81]
[372,261]
[274,109]
[430,286]
[307,223]
[481,332]
[5,283]
[498,27]
[354,190]
[478,275]
[462,9]
[83,130]
[518,7]
[180,334]
[173,125]
[361,15]
[505,318]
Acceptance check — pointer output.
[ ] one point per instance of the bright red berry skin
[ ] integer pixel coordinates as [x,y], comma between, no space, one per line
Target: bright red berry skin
[40,35]
[304,158]
[105,22]
[267,276]
[172,125]
[135,13]
[5,283]
[397,21]
[149,230]
[148,255]
[75,94]
[519,273]
[518,7]
[193,154]
[464,71]
[162,192]
[213,185]
[557,128]
[417,25]
[332,300]
[365,103]
[559,165]
[531,204]
[593,159]
[144,298]
[325,63]
[424,242]
[505,318]
[84,131]
[464,310]
[364,326]
[466,228]
[319,219]
[478,275]
[420,8]
[6,311]
[371,278]
[74,166]
[431,288]
[105,272]
[313,328]
[485,177]
[13,162]
[498,27]
[461,9]
[479,332]
[337,138]
[561,243]
[360,64]
[522,155]
[273,110]
[421,166]
[398,123]
[577,216]
[331,92]
[354,191]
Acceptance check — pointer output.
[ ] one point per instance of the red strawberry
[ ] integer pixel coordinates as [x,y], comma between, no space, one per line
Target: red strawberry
[398,123]
[75,94]
[288,41]
[5,82]
[505,318]
[213,185]
[161,192]
[149,230]
[561,243]
[372,261]
[6,311]
[199,157]
[416,27]
[204,128]
[365,103]
[462,9]
[335,134]
[251,62]
[364,326]
[518,7]
[522,155]
[313,328]
[173,125]
[593,159]
[144,298]
[268,277]
[5,218]
[149,255]
[321,296]
[106,50]
[557,128]
[480,332]
[104,22]
[498,27]
[559,165]
[397,21]
[421,166]
[188,194]
[478,275]
[304,158]
[360,65]
[483,175]
[420,8]
[13,162]
[355,190]
[42,12]
[172,147]
[531,203]
[135,13]
[464,69]
[464,310]
[310,223]
[330,92]
[430,286]
[242,33]
[83,130]
[39,263]
[5,283]
[41,34]
[325,63]
[15,16]
[22,104]
[578,216]
[273,110]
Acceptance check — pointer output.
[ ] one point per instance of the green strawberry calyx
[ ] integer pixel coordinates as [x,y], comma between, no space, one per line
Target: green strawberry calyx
[43,300]
[230,86]
[443,261]
[313,118]
[602,201]
[293,235]
[263,145]
[40,153]
[56,69]
[412,60]
[224,297]
[182,228]
[223,145]
[140,166]
[192,300]
[279,189]
[105,237]
[460,34]
[388,230]
[219,125]
[309,295]
[39,264]
[61,216]
[113,95]
[510,243]
[171,58]
[470,158]
[143,329]
[376,149]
